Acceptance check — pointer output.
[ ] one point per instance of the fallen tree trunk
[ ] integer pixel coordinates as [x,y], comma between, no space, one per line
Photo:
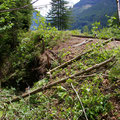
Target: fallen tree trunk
[82,36]
[62,81]
[75,59]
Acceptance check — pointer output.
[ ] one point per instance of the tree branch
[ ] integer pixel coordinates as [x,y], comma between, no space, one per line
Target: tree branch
[76,58]
[68,62]
[80,101]
[83,43]
[15,9]
[63,80]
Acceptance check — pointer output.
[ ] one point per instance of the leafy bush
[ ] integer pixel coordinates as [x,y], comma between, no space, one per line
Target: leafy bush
[112,30]
[27,55]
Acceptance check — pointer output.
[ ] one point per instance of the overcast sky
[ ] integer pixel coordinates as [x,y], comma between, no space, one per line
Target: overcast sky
[44,5]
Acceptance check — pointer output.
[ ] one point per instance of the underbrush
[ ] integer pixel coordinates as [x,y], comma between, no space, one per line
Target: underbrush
[60,102]
[28,63]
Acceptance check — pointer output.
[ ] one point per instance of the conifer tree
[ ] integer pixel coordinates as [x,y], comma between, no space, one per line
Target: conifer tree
[59,15]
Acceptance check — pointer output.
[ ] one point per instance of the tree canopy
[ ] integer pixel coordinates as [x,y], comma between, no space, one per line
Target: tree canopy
[11,23]
[59,15]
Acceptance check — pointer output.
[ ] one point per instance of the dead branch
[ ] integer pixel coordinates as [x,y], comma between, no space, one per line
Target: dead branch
[69,62]
[48,61]
[52,58]
[83,43]
[76,58]
[55,55]
[63,80]
[12,75]
[80,101]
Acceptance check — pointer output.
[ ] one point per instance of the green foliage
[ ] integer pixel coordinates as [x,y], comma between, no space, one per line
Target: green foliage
[12,23]
[24,56]
[95,28]
[115,70]
[27,54]
[86,30]
[94,101]
[112,30]
[75,32]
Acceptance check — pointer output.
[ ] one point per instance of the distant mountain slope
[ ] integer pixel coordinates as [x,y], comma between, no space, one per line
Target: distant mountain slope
[87,12]
[84,2]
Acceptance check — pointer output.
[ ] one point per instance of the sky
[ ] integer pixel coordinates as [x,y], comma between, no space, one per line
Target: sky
[44,5]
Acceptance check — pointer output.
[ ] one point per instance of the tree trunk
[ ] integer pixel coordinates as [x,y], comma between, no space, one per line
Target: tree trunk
[118,9]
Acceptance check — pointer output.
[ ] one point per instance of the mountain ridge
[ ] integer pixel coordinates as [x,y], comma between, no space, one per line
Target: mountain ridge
[84,2]
[87,12]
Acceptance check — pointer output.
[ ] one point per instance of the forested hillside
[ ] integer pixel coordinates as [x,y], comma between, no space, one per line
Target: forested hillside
[87,12]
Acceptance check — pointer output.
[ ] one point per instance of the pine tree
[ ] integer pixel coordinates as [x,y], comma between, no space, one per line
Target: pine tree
[59,15]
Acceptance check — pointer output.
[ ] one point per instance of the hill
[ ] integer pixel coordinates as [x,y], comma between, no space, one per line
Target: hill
[87,12]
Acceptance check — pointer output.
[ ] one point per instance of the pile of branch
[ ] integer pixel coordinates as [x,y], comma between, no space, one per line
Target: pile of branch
[69,62]
[97,66]
[62,80]
[76,58]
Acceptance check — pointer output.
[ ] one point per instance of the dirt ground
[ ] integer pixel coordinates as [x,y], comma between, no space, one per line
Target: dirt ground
[73,45]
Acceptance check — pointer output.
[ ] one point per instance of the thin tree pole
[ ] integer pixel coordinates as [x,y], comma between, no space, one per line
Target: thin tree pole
[118,9]
[80,101]
[58,14]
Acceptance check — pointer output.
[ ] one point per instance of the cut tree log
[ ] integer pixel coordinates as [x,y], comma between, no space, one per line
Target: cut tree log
[63,80]
[76,58]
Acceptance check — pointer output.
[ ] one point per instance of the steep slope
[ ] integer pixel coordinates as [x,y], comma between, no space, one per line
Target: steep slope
[87,12]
